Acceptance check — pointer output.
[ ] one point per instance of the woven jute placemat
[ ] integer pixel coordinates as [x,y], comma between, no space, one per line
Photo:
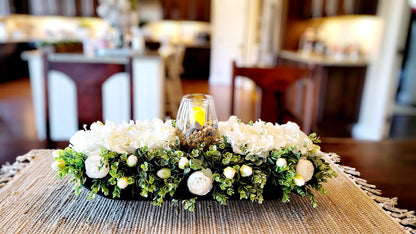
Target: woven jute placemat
[35,201]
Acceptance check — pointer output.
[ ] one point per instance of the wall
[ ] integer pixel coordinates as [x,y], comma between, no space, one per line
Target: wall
[382,76]
[234,36]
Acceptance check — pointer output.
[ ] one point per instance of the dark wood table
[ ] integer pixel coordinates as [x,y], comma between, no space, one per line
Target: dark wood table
[388,164]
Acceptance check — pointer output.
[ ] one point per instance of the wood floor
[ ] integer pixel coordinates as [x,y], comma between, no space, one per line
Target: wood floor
[390,165]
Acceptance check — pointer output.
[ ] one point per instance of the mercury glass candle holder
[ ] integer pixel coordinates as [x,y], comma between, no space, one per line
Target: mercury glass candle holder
[197,121]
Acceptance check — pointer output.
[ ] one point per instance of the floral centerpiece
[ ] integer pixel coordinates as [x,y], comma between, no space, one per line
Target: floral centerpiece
[154,160]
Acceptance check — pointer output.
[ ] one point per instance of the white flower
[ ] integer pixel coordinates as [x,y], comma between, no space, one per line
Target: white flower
[163,173]
[281,162]
[122,182]
[305,169]
[299,181]
[183,162]
[132,160]
[199,183]
[58,165]
[261,137]
[156,135]
[229,172]
[95,167]
[90,141]
[125,137]
[57,153]
[246,171]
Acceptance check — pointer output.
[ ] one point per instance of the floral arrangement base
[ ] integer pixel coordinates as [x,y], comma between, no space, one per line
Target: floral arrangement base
[270,192]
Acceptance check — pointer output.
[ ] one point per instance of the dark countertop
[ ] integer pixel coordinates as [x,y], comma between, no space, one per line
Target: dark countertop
[316,59]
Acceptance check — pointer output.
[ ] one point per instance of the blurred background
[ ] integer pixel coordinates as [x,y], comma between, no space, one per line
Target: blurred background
[363,51]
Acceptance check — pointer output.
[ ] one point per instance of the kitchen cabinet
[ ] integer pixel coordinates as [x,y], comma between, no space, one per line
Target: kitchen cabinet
[305,9]
[85,8]
[186,10]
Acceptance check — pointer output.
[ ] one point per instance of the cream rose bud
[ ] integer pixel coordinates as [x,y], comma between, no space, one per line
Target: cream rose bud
[163,173]
[305,169]
[183,162]
[281,162]
[199,183]
[299,181]
[58,165]
[94,168]
[132,160]
[246,171]
[229,172]
[57,153]
[122,182]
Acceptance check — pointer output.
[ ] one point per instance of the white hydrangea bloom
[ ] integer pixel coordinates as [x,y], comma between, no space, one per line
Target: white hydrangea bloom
[156,135]
[261,138]
[125,137]
[85,142]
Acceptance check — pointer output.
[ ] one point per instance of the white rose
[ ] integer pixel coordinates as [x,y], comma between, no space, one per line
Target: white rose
[58,165]
[122,182]
[183,162]
[229,172]
[281,162]
[132,160]
[246,171]
[299,181]
[305,169]
[199,183]
[163,173]
[94,168]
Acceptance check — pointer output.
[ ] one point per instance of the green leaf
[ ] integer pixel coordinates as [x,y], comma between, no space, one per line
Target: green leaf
[195,164]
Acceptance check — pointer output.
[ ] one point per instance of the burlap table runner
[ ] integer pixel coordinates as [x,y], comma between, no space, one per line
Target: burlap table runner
[35,201]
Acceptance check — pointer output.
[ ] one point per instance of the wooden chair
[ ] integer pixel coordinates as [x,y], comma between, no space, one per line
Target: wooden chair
[275,83]
[88,78]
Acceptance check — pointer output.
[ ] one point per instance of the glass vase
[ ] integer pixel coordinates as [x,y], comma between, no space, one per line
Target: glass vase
[197,121]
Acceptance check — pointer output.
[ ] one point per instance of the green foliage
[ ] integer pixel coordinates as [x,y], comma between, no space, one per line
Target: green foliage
[314,138]
[189,204]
